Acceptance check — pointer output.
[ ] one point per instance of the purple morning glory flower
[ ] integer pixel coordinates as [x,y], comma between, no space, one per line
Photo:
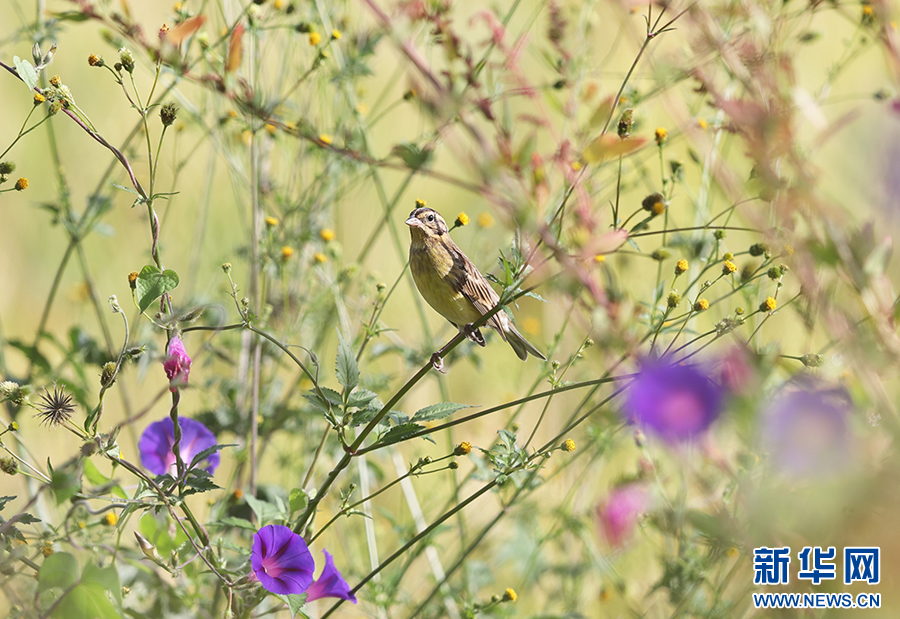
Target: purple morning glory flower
[805,430]
[177,364]
[330,583]
[156,443]
[675,402]
[281,560]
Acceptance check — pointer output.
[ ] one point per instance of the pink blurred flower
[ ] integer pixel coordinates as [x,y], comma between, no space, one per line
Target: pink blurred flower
[618,515]
[177,363]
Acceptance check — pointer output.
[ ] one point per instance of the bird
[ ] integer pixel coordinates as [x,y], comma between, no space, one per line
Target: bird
[454,287]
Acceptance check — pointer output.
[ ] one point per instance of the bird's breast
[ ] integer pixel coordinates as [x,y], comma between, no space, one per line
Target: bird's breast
[431,269]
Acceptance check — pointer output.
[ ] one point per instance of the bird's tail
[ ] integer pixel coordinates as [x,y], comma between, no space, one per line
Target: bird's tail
[519,344]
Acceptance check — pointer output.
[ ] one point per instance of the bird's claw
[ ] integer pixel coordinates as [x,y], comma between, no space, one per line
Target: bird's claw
[437,362]
[473,334]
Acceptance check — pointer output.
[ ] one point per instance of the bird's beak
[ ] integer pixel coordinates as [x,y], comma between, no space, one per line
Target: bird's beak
[413,222]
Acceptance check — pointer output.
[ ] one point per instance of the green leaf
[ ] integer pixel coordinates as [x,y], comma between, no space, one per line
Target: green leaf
[295,603]
[413,155]
[58,570]
[4,500]
[26,72]
[124,188]
[298,500]
[87,601]
[203,455]
[437,411]
[151,284]
[107,577]
[93,474]
[345,367]
[361,397]
[233,521]
[400,433]
[65,484]
[263,510]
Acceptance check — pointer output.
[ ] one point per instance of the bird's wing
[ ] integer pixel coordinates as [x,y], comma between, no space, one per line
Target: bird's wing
[475,287]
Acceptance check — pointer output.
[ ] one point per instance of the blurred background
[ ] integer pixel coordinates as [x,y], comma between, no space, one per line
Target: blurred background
[781,123]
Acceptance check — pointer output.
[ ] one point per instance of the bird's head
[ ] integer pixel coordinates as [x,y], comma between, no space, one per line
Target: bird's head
[425,222]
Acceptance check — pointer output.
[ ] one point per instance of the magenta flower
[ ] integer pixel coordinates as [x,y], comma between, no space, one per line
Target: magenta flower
[619,514]
[330,583]
[157,440]
[675,402]
[177,363]
[281,560]
[805,430]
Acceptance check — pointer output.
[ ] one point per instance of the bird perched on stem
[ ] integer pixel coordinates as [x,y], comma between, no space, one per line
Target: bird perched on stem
[452,285]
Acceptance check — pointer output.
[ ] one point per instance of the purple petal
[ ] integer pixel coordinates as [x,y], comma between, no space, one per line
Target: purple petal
[155,445]
[675,402]
[281,560]
[330,583]
[805,430]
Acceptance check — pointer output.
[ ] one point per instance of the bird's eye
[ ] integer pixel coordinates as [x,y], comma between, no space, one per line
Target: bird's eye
[431,218]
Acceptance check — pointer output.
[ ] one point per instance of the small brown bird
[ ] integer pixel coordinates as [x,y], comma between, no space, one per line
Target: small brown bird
[452,285]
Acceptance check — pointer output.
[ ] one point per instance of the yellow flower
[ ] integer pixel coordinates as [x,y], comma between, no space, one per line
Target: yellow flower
[605,595]
[112,519]
[569,445]
[768,305]
[462,220]
[362,108]
[325,138]
[789,250]
[576,165]
[702,123]
[271,128]
[661,135]
[681,266]
[327,234]
[510,595]
[599,258]
[287,252]
[463,449]
[659,208]
[55,81]
[315,38]
[22,184]
[335,34]
[271,221]
[485,220]
[701,305]
[531,325]
[420,203]
[176,7]
[277,4]
[732,552]
[82,524]
[237,494]
[247,137]
[320,257]
[39,98]
[728,268]
[47,550]
[132,278]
